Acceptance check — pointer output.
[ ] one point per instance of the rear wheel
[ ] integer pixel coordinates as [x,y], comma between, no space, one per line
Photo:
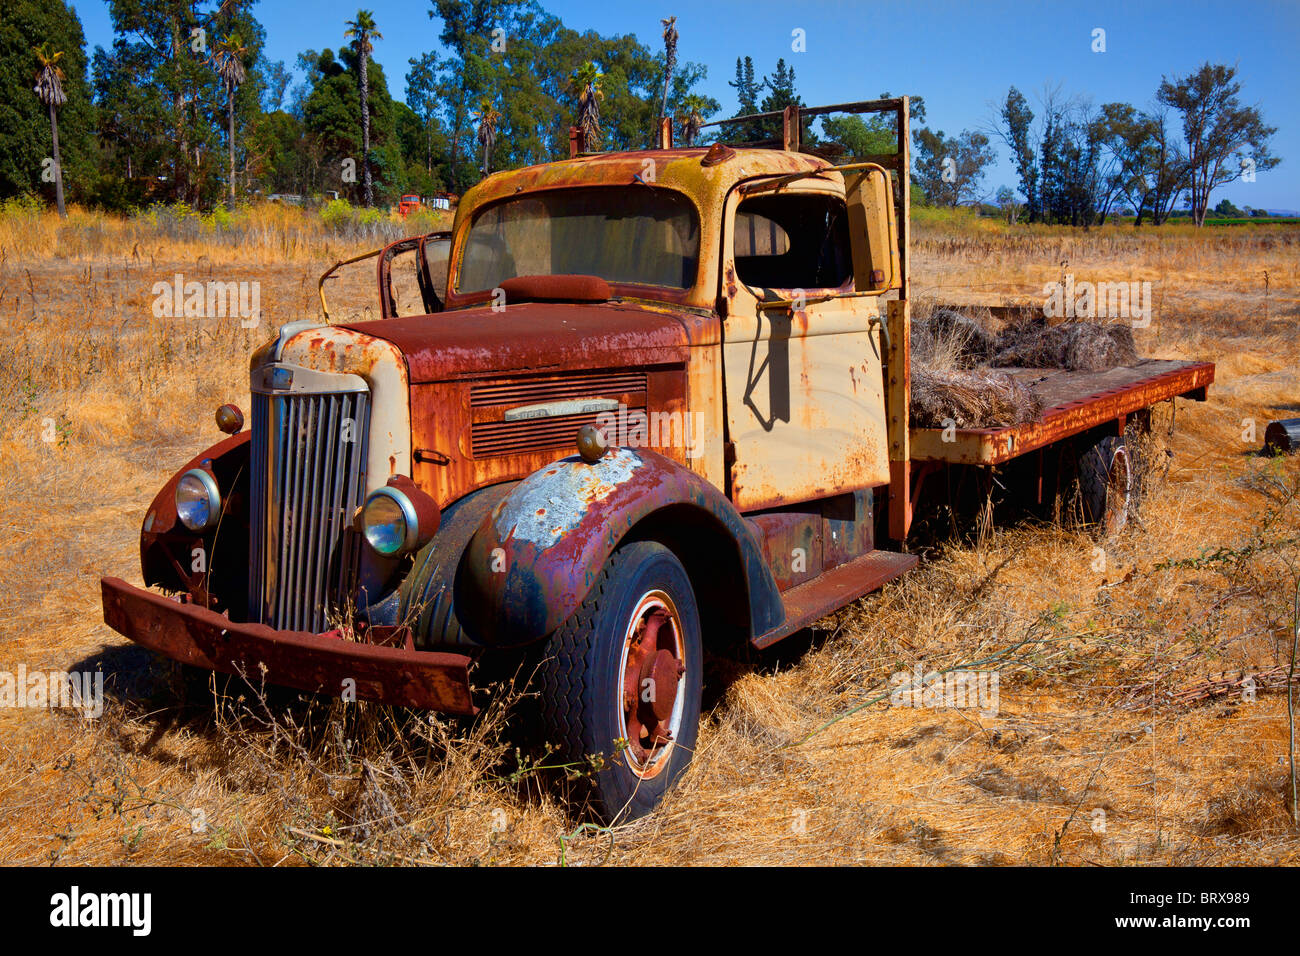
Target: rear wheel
[1108,485]
[622,678]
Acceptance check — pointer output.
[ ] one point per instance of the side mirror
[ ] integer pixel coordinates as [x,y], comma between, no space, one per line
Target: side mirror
[873,230]
[437,255]
[419,285]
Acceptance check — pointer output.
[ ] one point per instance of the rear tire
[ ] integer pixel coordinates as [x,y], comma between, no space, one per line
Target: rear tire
[1108,485]
[622,678]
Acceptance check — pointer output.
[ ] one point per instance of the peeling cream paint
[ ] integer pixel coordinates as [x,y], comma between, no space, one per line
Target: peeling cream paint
[552,502]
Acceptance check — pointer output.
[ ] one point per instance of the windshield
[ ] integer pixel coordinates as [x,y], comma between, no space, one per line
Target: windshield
[635,235]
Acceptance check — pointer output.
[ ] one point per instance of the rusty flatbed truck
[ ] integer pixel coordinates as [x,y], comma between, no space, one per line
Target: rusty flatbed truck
[631,404]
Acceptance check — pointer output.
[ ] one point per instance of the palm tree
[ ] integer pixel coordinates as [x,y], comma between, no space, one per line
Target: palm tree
[228,60]
[670,57]
[586,83]
[694,105]
[361,31]
[49,89]
[487,132]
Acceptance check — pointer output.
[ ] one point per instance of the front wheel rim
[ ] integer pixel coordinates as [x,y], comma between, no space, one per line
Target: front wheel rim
[653,684]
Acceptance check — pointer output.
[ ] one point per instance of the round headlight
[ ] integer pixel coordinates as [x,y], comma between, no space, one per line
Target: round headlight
[389,523]
[198,502]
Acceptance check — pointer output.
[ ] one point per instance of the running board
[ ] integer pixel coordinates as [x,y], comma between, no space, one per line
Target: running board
[831,590]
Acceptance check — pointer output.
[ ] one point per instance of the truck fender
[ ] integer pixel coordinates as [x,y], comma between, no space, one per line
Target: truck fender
[164,542]
[537,553]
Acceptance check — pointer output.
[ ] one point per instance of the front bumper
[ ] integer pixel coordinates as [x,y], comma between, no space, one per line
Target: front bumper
[312,662]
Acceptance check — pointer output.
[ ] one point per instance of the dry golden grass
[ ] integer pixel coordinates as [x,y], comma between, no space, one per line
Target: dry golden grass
[252,234]
[1088,659]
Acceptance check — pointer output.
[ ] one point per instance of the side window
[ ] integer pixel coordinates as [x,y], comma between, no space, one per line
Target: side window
[793,241]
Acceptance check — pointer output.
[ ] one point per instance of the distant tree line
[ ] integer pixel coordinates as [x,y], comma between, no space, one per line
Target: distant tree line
[185,107]
[1077,165]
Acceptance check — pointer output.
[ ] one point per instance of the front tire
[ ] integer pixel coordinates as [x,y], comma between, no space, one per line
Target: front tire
[621,678]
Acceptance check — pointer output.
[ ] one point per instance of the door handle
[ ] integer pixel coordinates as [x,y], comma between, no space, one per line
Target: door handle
[884,331]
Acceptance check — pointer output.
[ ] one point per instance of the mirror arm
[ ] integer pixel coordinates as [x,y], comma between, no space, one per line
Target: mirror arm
[329,274]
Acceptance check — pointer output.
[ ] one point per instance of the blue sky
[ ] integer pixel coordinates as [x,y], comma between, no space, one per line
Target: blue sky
[961,56]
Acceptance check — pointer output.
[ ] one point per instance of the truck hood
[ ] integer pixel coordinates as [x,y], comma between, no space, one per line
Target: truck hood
[538,336]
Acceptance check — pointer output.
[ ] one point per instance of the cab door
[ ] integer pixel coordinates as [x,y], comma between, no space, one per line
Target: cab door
[802,359]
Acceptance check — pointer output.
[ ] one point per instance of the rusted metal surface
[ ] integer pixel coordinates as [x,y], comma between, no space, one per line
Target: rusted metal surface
[538,339]
[848,527]
[873,228]
[311,662]
[992,446]
[427,514]
[718,153]
[532,337]
[540,550]
[665,132]
[805,386]
[565,288]
[339,349]
[467,442]
[790,129]
[802,541]
[653,656]
[898,392]
[899,372]
[230,419]
[792,544]
[809,603]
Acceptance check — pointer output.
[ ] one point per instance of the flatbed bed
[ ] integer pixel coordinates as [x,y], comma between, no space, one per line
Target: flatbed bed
[1073,402]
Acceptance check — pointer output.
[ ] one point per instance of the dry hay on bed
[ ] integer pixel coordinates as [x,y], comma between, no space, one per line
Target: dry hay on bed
[948,339]
[945,339]
[1077,346]
[947,387]
[955,359]
[969,398]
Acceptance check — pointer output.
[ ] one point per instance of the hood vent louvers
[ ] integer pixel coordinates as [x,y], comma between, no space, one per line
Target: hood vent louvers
[536,415]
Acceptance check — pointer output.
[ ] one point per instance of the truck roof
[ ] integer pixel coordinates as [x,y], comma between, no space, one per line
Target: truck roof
[682,169]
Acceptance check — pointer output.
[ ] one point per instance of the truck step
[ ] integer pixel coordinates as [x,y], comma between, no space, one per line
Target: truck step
[813,600]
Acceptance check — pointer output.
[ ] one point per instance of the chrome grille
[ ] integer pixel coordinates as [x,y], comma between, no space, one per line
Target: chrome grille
[308,471]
